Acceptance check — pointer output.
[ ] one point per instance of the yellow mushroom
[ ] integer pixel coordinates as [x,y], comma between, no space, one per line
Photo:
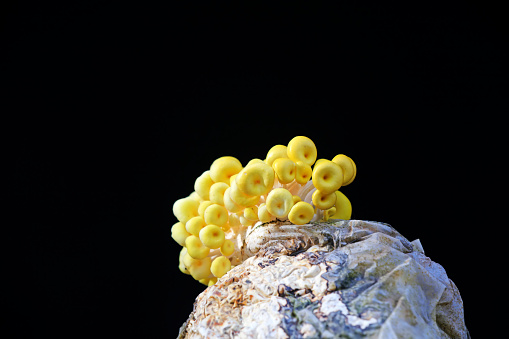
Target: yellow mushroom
[227,248]
[212,281]
[302,149]
[179,233]
[276,152]
[223,168]
[240,198]
[185,208]
[327,214]
[327,177]
[195,224]
[220,266]
[195,247]
[212,236]
[343,207]
[348,167]
[285,170]
[200,269]
[255,180]
[254,161]
[182,265]
[323,201]
[303,172]
[195,196]
[301,213]
[263,213]
[246,222]
[229,203]
[216,214]
[296,199]
[216,192]
[203,206]
[251,213]
[202,185]
[279,202]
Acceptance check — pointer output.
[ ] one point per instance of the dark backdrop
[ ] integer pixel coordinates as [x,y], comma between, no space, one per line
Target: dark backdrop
[115,107]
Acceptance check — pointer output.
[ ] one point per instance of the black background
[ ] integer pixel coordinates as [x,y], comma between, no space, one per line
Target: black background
[115,107]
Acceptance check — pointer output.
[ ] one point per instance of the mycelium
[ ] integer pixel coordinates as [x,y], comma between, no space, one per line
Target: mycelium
[230,200]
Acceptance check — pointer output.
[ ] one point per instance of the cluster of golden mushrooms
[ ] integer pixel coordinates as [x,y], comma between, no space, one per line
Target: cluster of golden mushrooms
[229,198]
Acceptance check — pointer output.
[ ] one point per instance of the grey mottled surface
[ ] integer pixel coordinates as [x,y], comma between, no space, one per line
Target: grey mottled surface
[339,279]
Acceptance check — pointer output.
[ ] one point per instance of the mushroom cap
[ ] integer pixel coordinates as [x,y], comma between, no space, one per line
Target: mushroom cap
[256,179]
[216,192]
[285,170]
[229,203]
[220,266]
[348,166]
[240,198]
[212,236]
[195,224]
[263,213]
[195,247]
[251,213]
[303,149]
[223,168]
[343,207]
[227,248]
[202,185]
[327,177]
[200,269]
[276,152]
[301,213]
[179,233]
[303,172]
[323,201]
[216,214]
[279,202]
[185,208]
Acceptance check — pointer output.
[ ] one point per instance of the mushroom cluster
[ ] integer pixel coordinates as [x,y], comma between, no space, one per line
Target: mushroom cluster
[229,200]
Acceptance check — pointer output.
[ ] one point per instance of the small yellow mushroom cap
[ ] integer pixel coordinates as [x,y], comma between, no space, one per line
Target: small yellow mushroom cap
[212,281]
[187,259]
[229,203]
[254,161]
[202,185]
[185,208]
[216,214]
[285,170]
[296,199]
[195,196]
[182,265]
[263,213]
[240,198]
[216,192]
[327,177]
[301,213]
[220,266]
[303,149]
[343,207]
[276,152]
[223,168]
[323,201]
[303,172]
[195,224]
[348,166]
[251,213]
[327,214]
[256,179]
[179,233]
[227,248]
[200,269]
[212,236]
[203,206]
[195,247]
[279,202]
